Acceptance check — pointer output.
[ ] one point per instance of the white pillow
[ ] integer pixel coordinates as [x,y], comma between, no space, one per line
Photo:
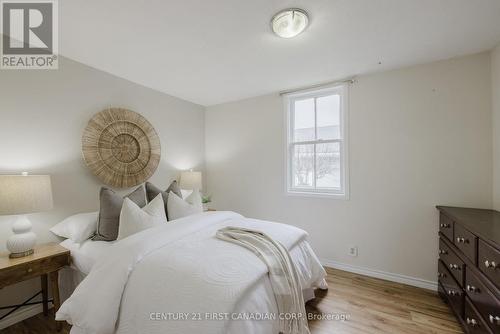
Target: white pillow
[185,193]
[78,228]
[195,200]
[133,219]
[178,208]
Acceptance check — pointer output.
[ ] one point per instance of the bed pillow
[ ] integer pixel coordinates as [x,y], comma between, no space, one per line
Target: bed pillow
[133,219]
[152,191]
[178,208]
[109,212]
[195,200]
[78,228]
[186,192]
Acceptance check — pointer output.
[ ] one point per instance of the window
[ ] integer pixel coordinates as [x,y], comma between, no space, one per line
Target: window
[316,142]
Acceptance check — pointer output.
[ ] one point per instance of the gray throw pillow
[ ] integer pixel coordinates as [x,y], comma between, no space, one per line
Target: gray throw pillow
[152,191]
[109,212]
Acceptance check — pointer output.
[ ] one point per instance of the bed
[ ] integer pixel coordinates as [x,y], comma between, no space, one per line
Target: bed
[181,279]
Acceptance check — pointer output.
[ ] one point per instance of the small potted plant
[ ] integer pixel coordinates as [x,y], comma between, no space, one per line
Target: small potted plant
[206,199]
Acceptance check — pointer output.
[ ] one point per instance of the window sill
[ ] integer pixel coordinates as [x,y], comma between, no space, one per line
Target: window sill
[337,196]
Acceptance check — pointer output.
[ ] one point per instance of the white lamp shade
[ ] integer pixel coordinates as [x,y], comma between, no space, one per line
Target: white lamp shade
[22,194]
[191,180]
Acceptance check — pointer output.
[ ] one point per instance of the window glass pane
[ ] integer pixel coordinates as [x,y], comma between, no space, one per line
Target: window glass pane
[303,127]
[328,165]
[328,114]
[303,166]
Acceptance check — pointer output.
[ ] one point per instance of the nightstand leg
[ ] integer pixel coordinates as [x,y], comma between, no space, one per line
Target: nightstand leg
[55,295]
[45,297]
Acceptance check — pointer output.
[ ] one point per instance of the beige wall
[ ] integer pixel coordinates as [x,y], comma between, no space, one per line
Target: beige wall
[42,117]
[495,82]
[419,137]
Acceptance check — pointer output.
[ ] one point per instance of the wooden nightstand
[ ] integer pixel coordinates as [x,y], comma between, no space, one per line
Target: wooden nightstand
[44,263]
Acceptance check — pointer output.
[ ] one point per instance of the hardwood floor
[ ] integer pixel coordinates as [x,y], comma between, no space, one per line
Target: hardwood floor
[378,306]
[372,306]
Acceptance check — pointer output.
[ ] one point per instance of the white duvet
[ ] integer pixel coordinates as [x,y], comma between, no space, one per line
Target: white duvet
[179,278]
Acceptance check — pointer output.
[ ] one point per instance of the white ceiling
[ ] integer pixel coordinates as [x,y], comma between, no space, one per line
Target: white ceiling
[214,51]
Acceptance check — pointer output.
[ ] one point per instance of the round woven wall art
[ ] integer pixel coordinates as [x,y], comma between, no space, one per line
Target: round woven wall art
[121,147]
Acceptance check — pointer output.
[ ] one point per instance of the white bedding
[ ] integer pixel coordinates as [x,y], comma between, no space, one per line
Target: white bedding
[83,258]
[84,255]
[182,267]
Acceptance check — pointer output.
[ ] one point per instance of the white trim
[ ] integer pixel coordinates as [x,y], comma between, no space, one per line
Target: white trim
[343,91]
[319,141]
[22,314]
[334,83]
[413,281]
[331,195]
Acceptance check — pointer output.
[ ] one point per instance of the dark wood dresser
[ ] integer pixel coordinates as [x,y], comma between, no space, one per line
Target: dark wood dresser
[469,266]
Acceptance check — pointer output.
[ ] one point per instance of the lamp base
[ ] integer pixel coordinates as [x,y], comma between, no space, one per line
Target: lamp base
[21,243]
[22,254]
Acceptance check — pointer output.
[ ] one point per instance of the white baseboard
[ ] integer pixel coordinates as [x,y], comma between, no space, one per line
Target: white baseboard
[418,282]
[22,314]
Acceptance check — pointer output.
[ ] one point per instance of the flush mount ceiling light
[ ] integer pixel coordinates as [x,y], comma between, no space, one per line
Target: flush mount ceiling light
[289,22]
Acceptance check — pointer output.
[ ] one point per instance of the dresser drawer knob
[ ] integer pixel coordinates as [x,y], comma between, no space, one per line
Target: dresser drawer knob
[453,293]
[454,266]
[462,240]
[472,288]
[494,319]
[442,251]
[445,225]
[30,270]
[441,275]
[472,322]
[490,264]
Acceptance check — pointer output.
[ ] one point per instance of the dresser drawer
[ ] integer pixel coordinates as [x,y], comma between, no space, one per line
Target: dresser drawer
[484,300]
[451,289]
[446,226]
[444,275]
[466,242]
[452,261]
[489,262]
[474,321]
[33,269]
[455,295]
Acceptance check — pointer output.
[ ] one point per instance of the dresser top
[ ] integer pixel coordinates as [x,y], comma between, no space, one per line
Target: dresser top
[41,252]
[482,222]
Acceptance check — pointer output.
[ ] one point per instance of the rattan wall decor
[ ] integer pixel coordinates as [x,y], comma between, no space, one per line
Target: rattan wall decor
[121,147]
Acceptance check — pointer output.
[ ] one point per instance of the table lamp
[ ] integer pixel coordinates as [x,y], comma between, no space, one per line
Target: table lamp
[20,195]
[191,180]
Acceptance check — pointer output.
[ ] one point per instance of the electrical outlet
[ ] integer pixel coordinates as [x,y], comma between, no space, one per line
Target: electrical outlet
[353,251]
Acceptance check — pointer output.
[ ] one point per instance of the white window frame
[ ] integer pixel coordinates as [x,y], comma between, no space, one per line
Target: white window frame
[289,102]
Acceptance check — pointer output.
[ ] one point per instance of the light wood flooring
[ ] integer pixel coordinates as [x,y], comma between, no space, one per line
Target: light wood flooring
[372,305]
[378,306]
